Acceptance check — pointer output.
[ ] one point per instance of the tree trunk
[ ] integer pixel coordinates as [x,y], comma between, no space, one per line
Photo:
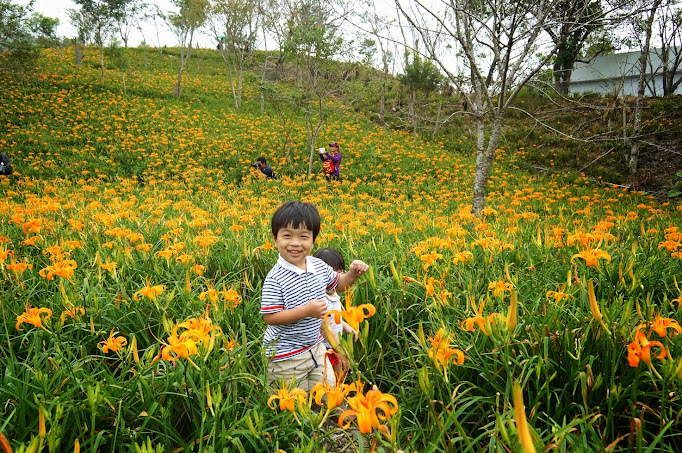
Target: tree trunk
[637,122]
[413,114]
[101,62]
[176,88]
[79,53]
[484,160]
[437,125]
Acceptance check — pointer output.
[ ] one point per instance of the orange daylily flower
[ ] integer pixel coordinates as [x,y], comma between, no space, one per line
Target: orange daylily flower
[19,268]
[353,316]
[33,226]
[76,311]
[31,241]
[441,352]
[334,395]
[430,259]
[640,349]
[143,247]
[32,316]
[232,298]
[149,291]
[592,256]
[210,294]
[288,399]
[199,329]
[661,326]
[370,409]
[179,346]
[558,296]
[4,254]
[113,343]
[111,267]
[480,320]
[499,287]
[63,269]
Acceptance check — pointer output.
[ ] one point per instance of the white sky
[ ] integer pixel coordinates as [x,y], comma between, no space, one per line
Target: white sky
[59,9]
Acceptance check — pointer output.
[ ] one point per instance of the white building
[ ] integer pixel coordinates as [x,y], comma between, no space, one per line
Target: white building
[614,73]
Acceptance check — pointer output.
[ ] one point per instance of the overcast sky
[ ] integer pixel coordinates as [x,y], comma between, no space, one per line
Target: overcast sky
[59,9]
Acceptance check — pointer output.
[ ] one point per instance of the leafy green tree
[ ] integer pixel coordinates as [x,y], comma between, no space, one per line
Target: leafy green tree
[44,29]
[84,29]
[419,76]
[16,42]
[101,15]
[192,15]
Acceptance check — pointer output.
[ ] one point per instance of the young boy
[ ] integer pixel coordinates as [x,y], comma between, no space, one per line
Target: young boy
[339,362]
[292,302]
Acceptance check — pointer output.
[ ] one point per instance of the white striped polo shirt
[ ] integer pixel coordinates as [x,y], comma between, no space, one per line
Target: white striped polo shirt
[286,287]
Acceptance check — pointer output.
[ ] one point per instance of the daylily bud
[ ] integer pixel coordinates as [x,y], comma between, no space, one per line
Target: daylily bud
[370,277]
[4,444]
[398,279]
[511,315]
[209,400]
[521,422]
[424,383]
[41,423]
[133,347]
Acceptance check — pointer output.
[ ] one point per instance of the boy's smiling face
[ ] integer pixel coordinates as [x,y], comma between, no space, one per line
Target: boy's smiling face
[295,245]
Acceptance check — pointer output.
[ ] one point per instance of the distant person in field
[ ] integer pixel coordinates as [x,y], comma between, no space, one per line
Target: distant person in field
[264,168]
[331,160]
[293,300]
[338,360]
[5,165]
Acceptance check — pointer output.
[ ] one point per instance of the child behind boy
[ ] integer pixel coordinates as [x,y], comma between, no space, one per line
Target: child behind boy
[339,362]
[293,298]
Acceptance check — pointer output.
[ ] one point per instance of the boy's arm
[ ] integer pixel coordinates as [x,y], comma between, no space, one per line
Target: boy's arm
[313,309]
[356,269]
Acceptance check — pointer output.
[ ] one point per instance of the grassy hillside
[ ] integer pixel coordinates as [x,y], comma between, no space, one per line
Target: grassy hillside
[134,240]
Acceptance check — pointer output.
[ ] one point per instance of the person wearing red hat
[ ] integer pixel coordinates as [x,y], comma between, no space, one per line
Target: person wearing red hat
[331,160]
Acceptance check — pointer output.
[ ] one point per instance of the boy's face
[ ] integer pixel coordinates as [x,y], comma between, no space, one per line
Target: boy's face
[295,244]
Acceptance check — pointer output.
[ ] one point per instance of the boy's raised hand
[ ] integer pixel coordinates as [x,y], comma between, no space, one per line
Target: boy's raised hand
[358,267]
[316,308]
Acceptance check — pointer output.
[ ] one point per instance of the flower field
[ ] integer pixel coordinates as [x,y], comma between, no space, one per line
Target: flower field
[134,241]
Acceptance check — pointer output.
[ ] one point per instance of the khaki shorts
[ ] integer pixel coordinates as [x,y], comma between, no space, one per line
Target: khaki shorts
[305,369]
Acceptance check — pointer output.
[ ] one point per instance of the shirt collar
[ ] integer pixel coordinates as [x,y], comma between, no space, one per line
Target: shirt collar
[297,270]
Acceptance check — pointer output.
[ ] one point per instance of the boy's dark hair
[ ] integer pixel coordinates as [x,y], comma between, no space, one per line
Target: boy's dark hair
[262,159]
[332,257]
[296,214]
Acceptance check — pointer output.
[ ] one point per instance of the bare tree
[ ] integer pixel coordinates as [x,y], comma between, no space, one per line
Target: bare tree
[571,39]
[378,27]
[132,12]
[643,27]
[503,46]
[235,25]
[192,15]
[670,53]
[311,45]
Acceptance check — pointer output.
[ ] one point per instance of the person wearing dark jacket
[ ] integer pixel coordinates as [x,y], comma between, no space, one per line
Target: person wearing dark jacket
[263,166]
[5,165]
